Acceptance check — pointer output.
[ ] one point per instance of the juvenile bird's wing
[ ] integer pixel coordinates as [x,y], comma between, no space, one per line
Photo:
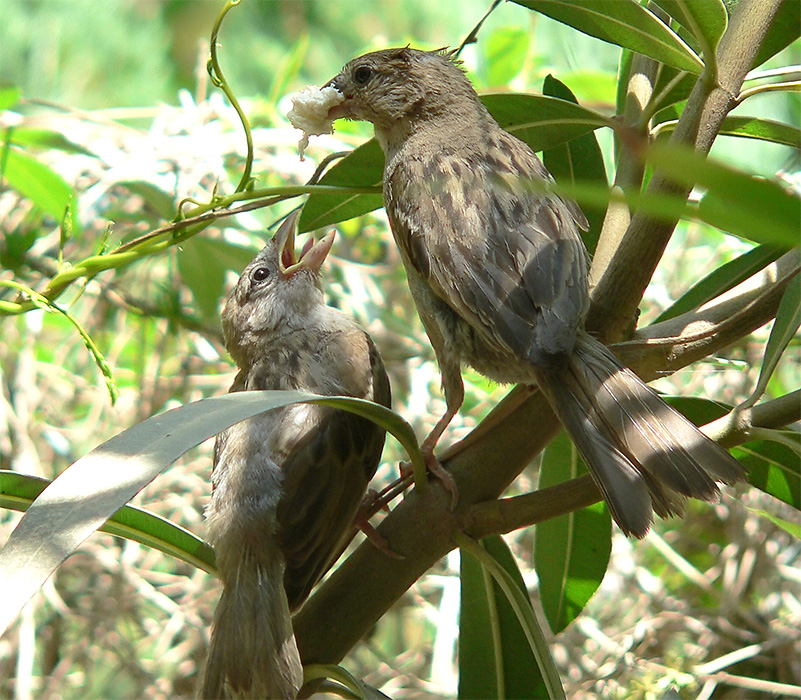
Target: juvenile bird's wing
[491,244]
[325,477]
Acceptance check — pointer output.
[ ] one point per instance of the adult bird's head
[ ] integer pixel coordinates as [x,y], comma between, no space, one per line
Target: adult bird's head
[398,90]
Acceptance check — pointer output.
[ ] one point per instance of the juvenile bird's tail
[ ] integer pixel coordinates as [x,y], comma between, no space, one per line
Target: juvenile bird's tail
[252,652]
[643,455]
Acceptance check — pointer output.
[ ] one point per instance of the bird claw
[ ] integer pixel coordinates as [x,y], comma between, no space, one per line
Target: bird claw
[436,470]
[373,502]
[379,541]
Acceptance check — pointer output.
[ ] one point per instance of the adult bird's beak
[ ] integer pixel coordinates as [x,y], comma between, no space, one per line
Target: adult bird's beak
[311,256]
[341,110]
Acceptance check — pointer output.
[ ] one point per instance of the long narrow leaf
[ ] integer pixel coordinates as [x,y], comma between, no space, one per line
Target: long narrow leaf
[86,494]
[580,159]
[785,328]
[495,660]
[721,280]
[625,23]
[571,552]
[760,210]
[521,604]
[706,20]
[18,491]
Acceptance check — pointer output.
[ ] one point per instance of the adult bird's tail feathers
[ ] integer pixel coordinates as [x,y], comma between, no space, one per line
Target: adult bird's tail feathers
[643,455]
[252,652]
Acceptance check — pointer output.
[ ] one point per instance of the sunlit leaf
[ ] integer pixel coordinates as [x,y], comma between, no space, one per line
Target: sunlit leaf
[705,20]
[9,96]
[625,23]
[774,468]
[39,183]
[541,121]
[92,489]
[791,528]
[18,491]
[504,52]
[363,167]
[757,209]
[753,128]
[571,552]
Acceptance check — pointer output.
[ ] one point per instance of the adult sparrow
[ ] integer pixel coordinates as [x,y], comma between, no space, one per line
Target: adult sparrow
[498,271]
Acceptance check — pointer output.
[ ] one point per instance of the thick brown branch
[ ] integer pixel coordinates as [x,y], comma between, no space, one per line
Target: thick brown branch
[631,268]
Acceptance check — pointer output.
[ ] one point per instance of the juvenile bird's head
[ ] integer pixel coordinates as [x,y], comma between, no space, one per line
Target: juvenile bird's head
[276,291]
[399,90]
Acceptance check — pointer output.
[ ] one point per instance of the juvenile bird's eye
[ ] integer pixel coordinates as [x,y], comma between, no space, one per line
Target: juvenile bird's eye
[362,74]
[260,273]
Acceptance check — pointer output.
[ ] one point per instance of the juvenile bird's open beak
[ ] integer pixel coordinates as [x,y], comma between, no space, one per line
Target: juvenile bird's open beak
[311,256]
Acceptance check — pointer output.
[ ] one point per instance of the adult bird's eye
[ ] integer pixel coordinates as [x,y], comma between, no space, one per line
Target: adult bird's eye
[362,74]
[261,273]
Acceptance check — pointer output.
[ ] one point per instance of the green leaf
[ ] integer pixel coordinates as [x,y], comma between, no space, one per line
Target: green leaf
[157,199]
[9,96]
[42,138]
[364,167]
[705,20]
[18,491]
[783,31]
[340,682]
[495,660]
[721,280]
[625,23]
[504,52]
[791,528]
[763,129]
[756,209]
[521,605]
[203,262]
[571,552]
[87,493]
[32,179]
[540,121]
[579,159]
[289,69]
[752,128]
[785,328]
[671,90]
[773,467]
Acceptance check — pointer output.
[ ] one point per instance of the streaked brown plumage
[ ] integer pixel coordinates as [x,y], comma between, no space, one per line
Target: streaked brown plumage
[498,272]
[288,483]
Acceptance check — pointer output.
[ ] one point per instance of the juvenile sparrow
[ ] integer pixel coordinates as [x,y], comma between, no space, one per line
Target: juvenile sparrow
[287,483]
[498,272]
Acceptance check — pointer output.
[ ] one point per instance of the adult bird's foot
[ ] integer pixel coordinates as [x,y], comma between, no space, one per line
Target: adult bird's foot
[436,470]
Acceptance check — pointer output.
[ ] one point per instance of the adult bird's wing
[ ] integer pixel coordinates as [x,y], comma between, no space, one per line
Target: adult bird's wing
[503,254]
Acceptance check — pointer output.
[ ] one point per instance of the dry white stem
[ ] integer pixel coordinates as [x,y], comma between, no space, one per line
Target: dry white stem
[309,112]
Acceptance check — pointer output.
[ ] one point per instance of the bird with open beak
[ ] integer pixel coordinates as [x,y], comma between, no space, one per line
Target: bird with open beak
[498,272]
[288,483]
